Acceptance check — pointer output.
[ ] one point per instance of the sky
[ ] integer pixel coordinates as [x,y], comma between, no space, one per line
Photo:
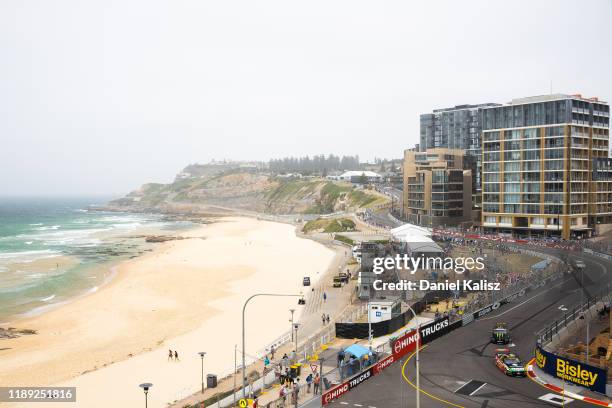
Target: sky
[99,97]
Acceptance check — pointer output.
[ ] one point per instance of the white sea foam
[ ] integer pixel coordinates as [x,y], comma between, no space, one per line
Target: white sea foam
[47,228]
[28,256]
[29,242]
[47,298]
[94,289]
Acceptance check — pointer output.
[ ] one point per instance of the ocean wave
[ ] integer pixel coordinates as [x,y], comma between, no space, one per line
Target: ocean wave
[28,256]
[47,298]
[36,223]
[47,228]
[29,242]
[93,290]
[63,237]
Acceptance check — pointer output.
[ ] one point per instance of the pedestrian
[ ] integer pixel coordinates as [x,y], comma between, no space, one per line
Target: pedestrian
[308,383]
[170,355]
[272,351]
[176,355]
[324,297]
[323,318]
[317,383]
[266,362]
[327,318]
[340,357]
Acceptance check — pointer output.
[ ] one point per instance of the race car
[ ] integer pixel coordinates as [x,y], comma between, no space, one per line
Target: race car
[500,334]
[509,363]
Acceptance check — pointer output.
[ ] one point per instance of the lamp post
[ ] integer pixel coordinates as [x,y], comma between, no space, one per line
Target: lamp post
[145,387]
[300,302]
[292,311]
[418,384]
[296,326]
[202,354]
[235,371]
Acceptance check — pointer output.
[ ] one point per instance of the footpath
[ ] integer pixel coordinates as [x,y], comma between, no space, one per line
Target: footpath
[313,334]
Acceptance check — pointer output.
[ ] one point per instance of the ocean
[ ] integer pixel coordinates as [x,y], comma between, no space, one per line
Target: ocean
[53,249]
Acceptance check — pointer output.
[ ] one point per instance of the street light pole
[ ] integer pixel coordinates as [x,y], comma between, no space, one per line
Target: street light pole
[145,387]
[296,326]
[418,346]
[235,371]
[369,326]
[243,332]
[202,354]
[292,311]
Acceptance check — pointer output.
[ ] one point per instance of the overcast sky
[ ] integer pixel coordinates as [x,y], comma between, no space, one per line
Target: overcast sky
[102,96]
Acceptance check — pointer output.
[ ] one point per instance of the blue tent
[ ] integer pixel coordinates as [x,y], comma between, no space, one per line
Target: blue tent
[357,350]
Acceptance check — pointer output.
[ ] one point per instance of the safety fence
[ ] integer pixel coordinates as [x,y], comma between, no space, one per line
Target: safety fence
[547,334]
[396,348]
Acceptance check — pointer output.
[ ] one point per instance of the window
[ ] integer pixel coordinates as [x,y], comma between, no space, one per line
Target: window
[512,166]
[511,176]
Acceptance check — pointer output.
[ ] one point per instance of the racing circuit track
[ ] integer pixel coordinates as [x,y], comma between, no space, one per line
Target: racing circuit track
[465,354]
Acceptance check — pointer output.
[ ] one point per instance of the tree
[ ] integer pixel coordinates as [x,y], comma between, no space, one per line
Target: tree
[363,179]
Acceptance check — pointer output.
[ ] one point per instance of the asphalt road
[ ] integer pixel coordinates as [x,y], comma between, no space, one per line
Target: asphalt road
[466,355]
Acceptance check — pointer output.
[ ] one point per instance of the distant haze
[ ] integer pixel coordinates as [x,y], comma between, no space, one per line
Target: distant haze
[98,97]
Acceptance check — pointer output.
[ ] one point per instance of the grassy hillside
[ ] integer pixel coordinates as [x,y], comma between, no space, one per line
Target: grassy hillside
[329,225]
[255,191]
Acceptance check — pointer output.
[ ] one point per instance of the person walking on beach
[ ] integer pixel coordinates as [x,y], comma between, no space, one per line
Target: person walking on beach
[266,362]
[272,351]
[176,355]
[323,318]
[327,318]
[170,355]
[324,297]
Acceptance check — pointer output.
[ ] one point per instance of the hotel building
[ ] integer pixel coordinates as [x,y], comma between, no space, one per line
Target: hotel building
[459,127]
[545,167]
[437,189]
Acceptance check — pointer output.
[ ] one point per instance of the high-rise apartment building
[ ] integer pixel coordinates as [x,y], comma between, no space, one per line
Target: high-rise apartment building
[459,127]
[437,189]
[540,164]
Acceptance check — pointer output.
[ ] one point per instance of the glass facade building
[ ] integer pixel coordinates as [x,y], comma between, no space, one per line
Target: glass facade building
[539,156]
[459,127]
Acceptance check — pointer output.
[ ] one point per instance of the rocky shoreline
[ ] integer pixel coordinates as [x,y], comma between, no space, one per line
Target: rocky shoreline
[11,332]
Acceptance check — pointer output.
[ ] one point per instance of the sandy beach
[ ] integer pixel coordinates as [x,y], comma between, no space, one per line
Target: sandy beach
[187,296]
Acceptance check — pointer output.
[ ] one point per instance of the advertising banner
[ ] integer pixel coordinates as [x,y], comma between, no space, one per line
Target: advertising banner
[435,329]
[405,344]
[382,364]
[346,386]
[575,372]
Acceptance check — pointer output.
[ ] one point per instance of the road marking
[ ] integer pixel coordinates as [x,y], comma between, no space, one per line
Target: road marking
[470,388]
[522,303]
[555,399]
[420,389]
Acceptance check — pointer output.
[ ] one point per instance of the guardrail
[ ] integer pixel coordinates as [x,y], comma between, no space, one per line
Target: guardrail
[546,335]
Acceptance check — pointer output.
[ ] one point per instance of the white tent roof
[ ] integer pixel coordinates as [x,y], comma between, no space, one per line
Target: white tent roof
[410,229]
[358,173]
